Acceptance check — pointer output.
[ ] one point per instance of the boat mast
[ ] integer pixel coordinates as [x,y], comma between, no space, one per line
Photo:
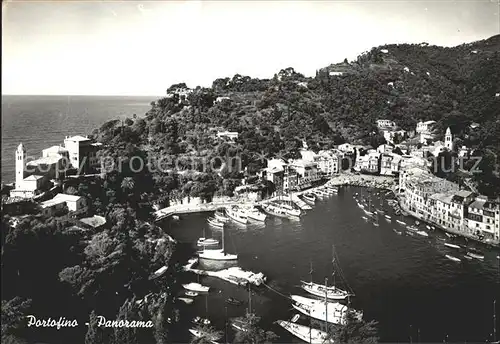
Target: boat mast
[225,325]
[333,265]
[326,305]
[310,321]
[249,299]
[223,252]
[494,321]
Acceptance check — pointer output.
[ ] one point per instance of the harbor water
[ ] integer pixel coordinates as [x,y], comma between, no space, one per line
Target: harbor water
[404,282]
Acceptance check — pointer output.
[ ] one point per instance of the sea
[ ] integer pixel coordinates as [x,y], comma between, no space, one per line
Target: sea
[403,282]
[43,121]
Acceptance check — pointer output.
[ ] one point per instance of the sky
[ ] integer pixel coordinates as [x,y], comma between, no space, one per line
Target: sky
[141,48]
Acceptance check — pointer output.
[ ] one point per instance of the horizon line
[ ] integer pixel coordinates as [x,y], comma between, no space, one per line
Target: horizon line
[84,95]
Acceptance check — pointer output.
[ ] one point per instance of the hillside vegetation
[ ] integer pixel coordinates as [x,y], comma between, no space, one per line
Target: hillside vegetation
[405,82]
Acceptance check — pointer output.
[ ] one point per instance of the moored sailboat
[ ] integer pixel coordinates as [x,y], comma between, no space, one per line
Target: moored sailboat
[333,292]
[217,254]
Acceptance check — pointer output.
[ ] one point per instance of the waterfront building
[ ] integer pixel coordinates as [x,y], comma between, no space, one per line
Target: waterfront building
[328,163]
[373,162]
[450,209]
[416,185]
[72,202]
[483,218]
[386,168]
[275,175]
[82,152]
[290,179]
[307,172]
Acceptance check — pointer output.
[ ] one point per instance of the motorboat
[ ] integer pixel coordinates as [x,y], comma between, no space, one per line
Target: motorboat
[334,314]
[428,227]
[320,290]
[239,325]
[191,293]
[309,198]
[475,255]
[256,215]
[412,228]
[234,302]
[397,232]
[235,214]
[455,259]
[197,287]
[295,317]
[186,300]
[199,334]
[207,242]
[214,222]
[305,333]
[219,215]
[401,222]
[451,245]
[364,218]
[387,217]
[201,321]
[422,233]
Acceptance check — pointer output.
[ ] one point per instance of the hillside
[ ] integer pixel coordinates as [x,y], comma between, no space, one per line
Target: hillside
[405,82]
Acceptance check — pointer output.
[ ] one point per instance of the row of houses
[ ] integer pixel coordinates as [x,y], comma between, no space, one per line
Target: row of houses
[442,202]
[299,174]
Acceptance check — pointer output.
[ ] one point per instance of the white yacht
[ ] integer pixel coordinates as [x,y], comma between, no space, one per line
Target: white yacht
[219,215]
[235,214]
[332,293]
[309,198]
[256,215]
[334,314]
[196,287]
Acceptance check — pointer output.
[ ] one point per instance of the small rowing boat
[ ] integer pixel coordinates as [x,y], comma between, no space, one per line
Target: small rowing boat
[207,242]
[234,302]
[475,255]
[455,259]
[186,300]
[191,293]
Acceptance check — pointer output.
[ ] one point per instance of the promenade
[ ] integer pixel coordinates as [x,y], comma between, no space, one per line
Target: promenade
[196,208]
